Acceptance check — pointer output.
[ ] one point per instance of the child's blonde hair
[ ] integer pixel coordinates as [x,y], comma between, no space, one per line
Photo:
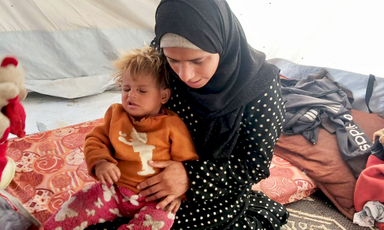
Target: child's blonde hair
[142,62]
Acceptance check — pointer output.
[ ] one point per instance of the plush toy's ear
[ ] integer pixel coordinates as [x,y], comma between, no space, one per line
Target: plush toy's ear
[9,61]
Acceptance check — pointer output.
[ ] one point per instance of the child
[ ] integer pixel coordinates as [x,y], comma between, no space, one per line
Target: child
[134,132]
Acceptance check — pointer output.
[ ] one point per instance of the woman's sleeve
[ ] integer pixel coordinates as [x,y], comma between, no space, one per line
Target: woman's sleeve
[260,128]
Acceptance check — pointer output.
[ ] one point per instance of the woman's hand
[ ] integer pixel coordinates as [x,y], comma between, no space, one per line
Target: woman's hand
[107,172]
[170,184]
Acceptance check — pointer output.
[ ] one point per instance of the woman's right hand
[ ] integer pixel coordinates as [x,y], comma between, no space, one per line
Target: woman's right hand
[107,172]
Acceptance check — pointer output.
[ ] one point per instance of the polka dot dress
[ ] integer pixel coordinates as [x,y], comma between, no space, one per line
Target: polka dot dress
[220,196]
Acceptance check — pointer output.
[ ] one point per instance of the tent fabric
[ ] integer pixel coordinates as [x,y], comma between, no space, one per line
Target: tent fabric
[49,15]
[77,63]
[339,34]
[67,46]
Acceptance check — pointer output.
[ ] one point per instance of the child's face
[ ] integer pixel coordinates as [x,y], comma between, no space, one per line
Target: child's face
[142,97]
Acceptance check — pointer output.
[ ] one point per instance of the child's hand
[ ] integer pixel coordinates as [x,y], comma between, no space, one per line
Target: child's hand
[107,172]
[173,206]
[379,135]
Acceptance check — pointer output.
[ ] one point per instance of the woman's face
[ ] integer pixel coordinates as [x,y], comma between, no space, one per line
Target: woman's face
[194,67]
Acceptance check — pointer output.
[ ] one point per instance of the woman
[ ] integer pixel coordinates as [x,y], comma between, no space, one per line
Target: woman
[230,99]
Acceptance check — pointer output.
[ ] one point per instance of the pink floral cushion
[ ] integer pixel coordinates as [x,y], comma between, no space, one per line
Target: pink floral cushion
[286,182]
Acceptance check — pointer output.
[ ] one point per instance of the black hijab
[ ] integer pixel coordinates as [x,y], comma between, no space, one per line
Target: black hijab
[241,76]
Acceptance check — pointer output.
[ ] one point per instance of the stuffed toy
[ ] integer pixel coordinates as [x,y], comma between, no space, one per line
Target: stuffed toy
[12,115]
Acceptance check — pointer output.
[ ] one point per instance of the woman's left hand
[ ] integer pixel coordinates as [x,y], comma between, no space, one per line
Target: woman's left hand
[171,183]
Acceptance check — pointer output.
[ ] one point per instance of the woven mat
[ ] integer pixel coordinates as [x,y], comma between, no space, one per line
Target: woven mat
[317,212]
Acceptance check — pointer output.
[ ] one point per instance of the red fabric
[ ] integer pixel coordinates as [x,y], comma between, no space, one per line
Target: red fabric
[373,160]
[370,185]
[5,135]
[3,158]
[16,115]
[8,61]
[142,214]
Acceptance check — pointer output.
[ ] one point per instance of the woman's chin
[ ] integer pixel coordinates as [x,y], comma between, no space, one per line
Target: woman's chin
[197,84]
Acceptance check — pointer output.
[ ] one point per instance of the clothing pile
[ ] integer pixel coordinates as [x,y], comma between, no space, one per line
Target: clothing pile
[317,101]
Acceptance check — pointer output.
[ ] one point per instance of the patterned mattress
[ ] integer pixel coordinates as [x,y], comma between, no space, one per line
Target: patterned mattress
[50,167]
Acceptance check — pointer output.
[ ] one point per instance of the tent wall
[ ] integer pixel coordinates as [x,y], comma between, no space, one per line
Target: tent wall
[67,46]
[339,34]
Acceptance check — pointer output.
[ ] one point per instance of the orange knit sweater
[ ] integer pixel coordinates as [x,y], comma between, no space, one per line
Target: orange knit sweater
[130,144]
